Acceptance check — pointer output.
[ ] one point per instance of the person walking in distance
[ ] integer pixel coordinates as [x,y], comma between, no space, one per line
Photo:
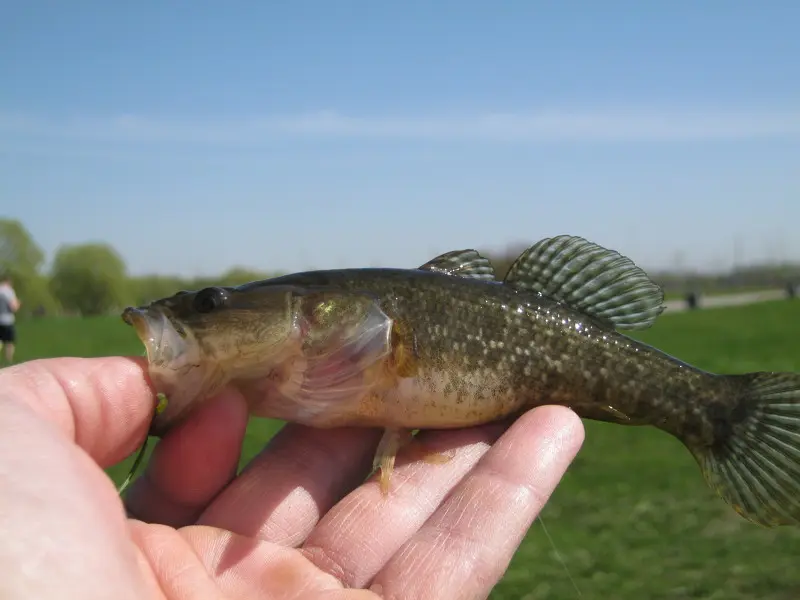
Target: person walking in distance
[9,305]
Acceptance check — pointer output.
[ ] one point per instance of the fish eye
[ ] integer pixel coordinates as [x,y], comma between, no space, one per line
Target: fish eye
[209,299]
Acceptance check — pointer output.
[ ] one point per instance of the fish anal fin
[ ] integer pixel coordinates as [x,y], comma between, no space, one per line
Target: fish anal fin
[616,413]
[594,280]
[601,412]
[462,263]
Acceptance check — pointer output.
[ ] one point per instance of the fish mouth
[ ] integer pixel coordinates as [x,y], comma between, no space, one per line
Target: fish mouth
[175,365]
[164,345]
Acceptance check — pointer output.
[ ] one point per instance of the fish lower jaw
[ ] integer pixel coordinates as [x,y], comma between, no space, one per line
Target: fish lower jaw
[167,377]
[182,391]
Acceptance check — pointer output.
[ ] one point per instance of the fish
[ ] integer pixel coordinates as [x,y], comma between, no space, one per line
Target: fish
[450,345]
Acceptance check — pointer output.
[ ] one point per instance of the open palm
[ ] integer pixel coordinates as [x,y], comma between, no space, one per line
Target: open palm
[298,523]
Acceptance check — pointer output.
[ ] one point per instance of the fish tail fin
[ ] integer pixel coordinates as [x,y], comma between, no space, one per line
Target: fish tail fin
[754,463]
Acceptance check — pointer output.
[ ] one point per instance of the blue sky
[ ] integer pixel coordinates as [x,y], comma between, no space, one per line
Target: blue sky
[195,137]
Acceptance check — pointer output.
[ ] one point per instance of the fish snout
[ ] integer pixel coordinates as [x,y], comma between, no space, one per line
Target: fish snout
[138,319]
[131,313]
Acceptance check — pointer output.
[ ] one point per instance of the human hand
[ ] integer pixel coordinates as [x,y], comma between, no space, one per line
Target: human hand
[297,523]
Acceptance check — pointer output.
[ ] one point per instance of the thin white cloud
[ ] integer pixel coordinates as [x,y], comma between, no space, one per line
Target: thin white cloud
[533,127]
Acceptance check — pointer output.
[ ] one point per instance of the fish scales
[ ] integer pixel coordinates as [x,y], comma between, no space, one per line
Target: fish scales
[488,353]
[446,345]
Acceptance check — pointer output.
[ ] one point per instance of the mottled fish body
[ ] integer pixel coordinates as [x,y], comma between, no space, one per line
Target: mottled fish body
[447,345]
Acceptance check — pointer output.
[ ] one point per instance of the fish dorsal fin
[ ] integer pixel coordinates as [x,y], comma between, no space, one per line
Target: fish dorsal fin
[462,263]
[594,280]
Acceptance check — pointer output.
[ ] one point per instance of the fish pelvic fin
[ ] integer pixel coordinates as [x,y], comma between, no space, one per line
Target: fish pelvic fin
[754,464]
[589,278]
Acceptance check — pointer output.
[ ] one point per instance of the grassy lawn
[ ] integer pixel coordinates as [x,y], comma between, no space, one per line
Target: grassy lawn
[633,518]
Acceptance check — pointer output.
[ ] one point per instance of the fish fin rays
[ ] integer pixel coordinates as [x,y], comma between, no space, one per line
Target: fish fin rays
[392,442]
[386,453]
[341,355]
[602,412]
[404,360]
[756,468]
[589,278]
[462,263]
[359,350]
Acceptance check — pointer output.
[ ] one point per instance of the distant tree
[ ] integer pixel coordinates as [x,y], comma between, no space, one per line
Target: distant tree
[34,292]
[19,253]
[240,275]
[90,279]
[21,258]
[146,288]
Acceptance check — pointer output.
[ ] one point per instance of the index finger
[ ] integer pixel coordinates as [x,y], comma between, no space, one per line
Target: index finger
[102,404]
[464,549]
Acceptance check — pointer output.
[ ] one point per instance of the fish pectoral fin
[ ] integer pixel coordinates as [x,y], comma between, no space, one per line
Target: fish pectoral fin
[347,338]
[462,263]
[391,443]
[596,281]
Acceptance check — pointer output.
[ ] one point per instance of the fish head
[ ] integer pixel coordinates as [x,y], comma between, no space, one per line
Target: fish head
[197,342]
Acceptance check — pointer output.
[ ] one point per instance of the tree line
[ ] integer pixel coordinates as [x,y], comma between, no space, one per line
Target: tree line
[92,278]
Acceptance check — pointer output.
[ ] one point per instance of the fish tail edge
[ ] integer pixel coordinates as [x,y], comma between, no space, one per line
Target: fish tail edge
[756,468]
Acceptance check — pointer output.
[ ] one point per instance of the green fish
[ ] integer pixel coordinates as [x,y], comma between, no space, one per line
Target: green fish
[447,345]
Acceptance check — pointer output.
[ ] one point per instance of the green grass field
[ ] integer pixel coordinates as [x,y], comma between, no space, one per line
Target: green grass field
[632,518]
